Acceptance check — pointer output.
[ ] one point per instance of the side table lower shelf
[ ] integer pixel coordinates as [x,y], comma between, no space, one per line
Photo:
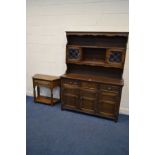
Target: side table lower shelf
[47,100]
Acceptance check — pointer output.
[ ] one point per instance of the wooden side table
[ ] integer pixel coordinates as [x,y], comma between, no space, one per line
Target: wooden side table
[40,80]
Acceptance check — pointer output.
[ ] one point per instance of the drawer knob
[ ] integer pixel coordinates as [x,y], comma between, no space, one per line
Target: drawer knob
[109,88]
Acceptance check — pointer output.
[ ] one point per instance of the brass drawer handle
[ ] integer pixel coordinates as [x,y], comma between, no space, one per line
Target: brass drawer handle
[109,88]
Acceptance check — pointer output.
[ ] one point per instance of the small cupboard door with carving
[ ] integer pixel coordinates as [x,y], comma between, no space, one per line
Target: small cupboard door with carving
[108,103]
[70,101]
[74,54]
[70,97]
[107,108]
[88,101]
[116,57]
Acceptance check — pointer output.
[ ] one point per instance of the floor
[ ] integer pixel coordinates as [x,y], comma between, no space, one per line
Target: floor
[51,131]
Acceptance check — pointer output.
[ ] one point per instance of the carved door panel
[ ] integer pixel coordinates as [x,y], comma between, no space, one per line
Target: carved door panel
[107,108]
[108,102]
[70,101]
[87,104]
[74,54]
[88,100]
[70,97]
[116,57]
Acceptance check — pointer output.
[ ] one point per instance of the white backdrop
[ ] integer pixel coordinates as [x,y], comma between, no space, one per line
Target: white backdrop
[47,21]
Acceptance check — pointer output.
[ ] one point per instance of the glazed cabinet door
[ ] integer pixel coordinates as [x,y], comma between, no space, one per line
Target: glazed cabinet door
[116,57]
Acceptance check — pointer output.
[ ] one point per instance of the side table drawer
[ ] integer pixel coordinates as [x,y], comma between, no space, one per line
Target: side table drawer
[42,83]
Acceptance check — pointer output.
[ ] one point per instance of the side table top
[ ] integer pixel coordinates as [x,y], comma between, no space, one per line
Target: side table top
[45,77]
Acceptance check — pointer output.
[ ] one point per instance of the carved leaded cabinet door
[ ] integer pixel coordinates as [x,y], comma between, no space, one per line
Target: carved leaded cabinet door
[70,94]
[108,103]
[88,100]
[115,57]
[74,54]
[88,94]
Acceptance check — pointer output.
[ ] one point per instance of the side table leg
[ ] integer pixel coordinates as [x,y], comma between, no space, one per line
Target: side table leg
[51,96]
[34,93]
[38,91]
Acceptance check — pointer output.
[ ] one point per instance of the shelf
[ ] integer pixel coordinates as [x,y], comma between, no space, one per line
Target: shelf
[111,34]
[86,62]
[93,46]
[95,78]
[47,100]
[94,63]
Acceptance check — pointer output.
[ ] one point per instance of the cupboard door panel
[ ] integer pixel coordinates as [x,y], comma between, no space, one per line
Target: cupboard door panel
[87,104]
[107,108]
[88,93]
[70,101]
[116,57]
[74,54]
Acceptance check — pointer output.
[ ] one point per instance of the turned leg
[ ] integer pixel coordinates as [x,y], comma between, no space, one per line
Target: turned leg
[38,91]
[51,96]
[34,93]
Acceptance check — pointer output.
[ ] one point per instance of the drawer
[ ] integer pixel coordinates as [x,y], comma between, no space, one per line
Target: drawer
[107,108]
[110,88]
[70,82]
[89,85]
[42,83]
[108,96]
[88,93]
[70,91]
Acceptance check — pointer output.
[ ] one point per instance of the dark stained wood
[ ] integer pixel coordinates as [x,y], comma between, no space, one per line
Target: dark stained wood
[94,78]
[94,69]
[40,80]
[46,100]
[93,81]
[80,33]
[45,77]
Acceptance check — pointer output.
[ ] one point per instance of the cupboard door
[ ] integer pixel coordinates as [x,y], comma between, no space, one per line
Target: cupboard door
[74,54]
[70,97]
[87,104]
[115,57]
[70,101]
[88,100]
[107,108]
